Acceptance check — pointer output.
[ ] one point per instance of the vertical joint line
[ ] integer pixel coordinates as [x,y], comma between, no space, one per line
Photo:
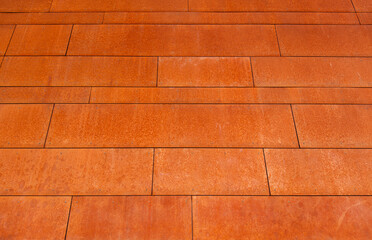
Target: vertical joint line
[50,7]
[103,17]
[68,218]
[192,220]
[69,39]
[250,60]
[355,11]
[277,40]
[267,173]
[294,123]
[50,121]
[153,169]
[360,23]
[7,47]
[90,94]
[188,5]
[157,71]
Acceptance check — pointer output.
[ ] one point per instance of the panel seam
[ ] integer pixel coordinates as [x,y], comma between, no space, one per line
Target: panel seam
[352,3]
[267,173]
[294,123]
[69,39]
[277,40]
[7,47]
[50,121]
[68,218]
[153,170]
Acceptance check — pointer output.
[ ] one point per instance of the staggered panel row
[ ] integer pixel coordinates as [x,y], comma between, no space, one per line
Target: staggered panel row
[187,71]
[186,18]
[189,40]
[180,171]
[185,217]
[185,5]
[178,125]
[186,95]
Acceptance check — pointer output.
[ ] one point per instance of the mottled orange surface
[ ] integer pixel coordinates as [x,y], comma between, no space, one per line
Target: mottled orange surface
[39,40]
[78,71]
[229,217]
[186,119]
